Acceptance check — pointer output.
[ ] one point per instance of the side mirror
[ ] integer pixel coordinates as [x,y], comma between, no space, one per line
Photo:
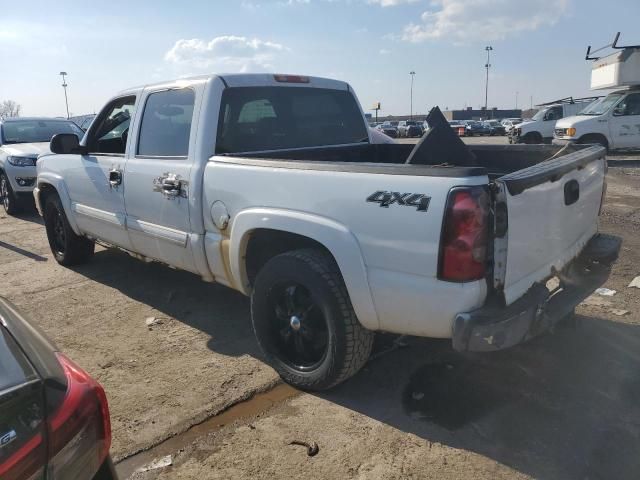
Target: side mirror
[618,111]
[66,143]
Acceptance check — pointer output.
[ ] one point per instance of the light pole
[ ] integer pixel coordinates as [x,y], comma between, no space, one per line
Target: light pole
[517,100]
[487,66]
[64,86]
[412,73]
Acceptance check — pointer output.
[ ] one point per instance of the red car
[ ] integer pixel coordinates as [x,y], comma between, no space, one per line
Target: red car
[54,418]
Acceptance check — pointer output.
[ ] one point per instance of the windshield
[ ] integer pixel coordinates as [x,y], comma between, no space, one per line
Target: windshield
[253,119]
[602,105]
[36,131]
[411,123]
[540,114]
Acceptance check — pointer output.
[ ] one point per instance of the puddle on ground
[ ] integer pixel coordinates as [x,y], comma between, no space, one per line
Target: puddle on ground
[259,403]
[453,394]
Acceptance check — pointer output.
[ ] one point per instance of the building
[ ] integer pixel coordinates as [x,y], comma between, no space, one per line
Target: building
[470,114]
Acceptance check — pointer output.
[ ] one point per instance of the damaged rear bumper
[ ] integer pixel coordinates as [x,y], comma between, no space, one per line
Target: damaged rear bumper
[493,328]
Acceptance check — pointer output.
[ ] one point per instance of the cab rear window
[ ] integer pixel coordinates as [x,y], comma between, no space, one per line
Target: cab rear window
[269,118]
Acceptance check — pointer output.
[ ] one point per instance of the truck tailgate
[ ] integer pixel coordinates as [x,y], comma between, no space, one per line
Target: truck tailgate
[552,211]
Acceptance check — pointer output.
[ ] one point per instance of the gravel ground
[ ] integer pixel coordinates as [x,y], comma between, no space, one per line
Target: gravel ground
[566,405]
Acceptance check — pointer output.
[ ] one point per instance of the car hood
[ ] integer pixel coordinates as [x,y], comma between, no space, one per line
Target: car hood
[26,149]
[575,120]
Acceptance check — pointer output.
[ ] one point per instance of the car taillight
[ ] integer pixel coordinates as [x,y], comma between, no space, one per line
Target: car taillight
[463,245]
[80,429]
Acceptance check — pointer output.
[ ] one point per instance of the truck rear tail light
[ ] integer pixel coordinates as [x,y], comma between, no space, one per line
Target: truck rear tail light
[291,78]
[80,429]
[463,245]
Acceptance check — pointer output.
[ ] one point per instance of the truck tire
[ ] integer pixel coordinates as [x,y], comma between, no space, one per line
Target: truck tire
[10,202]
[304,321]
[594,139]
[532,138]
[67,247]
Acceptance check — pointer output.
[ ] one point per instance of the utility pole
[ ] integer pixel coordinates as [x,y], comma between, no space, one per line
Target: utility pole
[487,66]
[531,102]
[64,86]
[412,73]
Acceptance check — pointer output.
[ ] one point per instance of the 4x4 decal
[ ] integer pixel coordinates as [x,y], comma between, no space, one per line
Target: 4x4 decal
[384,198]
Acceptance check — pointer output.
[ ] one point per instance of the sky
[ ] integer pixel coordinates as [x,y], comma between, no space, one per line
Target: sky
[538,47]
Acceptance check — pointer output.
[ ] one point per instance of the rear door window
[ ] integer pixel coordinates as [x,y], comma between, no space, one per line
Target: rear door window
[166,124]
[270,118]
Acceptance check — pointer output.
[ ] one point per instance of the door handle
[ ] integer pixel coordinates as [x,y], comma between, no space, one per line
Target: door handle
[115,177]
[571,192]
[169,185]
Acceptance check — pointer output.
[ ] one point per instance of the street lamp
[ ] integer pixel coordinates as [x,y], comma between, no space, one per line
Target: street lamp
[412,73]
[486,90]
[64,86]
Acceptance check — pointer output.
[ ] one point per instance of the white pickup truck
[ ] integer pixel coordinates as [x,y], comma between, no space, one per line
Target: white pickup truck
[271,185]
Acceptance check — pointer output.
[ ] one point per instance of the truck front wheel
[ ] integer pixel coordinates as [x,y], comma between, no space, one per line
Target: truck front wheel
[594,139]
[67,247]
[304,321]
[532,138]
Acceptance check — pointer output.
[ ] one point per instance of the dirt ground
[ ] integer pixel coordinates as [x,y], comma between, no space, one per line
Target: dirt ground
[566,405]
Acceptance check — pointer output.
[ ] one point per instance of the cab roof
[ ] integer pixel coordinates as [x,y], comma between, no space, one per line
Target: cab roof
[247,80]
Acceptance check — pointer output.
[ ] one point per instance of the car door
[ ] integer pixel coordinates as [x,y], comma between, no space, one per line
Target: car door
[22,414]
[95,182]
[549,121]
[624,124]
[157,177]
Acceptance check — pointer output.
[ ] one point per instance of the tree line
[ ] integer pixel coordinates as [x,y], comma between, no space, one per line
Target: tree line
[8,109]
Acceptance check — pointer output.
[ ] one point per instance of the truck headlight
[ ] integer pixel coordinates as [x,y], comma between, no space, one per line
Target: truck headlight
[570,132]
[22,161]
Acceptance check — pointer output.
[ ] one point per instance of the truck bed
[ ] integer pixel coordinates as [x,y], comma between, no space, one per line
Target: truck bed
[491,160]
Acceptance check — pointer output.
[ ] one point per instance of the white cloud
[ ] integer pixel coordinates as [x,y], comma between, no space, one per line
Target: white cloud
[229,52]
[384,51]
[390,3]
[468,20]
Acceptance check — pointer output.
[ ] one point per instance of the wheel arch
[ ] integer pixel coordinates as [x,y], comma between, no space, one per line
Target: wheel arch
[47,185]
[597,137]
[259,234]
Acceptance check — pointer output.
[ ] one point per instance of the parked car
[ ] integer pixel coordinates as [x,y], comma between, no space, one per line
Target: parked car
[378,137]
[541,127]
[84,122]
[495,127]
[388,129]
[54,418]
[509,123]
[409,128]
[21,141]
[611,121]
[475,128]
[354,239]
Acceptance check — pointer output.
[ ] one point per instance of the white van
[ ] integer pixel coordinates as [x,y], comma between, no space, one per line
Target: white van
[540,128]
[613,121]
